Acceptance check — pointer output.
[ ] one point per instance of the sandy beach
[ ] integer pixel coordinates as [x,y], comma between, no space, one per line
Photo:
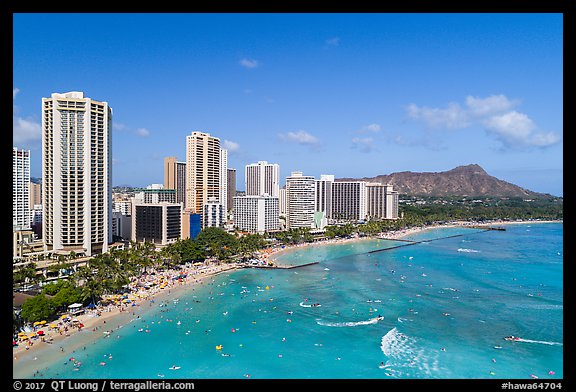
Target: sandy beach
[103,320]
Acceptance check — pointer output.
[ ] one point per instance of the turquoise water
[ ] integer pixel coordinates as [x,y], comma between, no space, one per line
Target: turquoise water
[446,305]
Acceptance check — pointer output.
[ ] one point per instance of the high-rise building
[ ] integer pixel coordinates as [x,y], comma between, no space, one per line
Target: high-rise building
[348,200]
[282,201]
[223,197]
[35,194]
[300,200]
[202,170]
[256,214]
[76,173]
[324,194]
[20,189]
[262,178]
[159,223]
[213,214]
[231,174]
[175,178]
[382,201]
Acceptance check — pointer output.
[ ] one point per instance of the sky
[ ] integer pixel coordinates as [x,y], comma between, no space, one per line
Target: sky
[350,94]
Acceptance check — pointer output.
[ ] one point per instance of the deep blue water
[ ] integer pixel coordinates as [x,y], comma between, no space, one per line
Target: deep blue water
[446,305]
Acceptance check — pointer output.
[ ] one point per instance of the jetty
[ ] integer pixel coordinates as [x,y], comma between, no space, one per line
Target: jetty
[280,266]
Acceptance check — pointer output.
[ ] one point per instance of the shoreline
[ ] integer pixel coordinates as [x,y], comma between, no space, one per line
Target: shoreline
[109,319]
[112,315]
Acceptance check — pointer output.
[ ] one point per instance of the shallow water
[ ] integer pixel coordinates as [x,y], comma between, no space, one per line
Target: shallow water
[446,305]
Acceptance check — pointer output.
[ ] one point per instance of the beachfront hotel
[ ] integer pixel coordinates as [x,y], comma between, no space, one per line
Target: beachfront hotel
[175,178]
[324,194]
[300,200]
[20,189]
[256,214]
[382,201]
[262,178]
[76,174]
[348,201]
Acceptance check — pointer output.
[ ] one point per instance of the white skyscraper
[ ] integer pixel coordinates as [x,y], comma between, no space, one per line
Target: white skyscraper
[20,189]
[324,194]
[224,181]
[256,214]
[382,201]
[262,178]
[300,200]
[348,200]
[76,173]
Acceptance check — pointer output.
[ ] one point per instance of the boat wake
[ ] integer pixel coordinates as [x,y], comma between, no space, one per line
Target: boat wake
[305,305]
[539,342]
[350,323]
[468,250]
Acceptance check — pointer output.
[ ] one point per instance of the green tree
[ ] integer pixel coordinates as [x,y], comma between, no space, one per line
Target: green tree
[38,308]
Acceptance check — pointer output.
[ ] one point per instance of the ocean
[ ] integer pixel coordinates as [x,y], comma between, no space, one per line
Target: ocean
[437,309]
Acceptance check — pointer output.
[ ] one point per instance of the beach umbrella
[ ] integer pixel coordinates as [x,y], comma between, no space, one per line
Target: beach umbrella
[36,323]
[40,333]
[24,337]
[43,322]
[53,326]
[31,334]
[64,316]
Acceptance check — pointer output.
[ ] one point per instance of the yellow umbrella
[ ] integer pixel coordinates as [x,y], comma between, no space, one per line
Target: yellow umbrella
[36,323]
[31,334]
[22,333]
[53,326]
[23,337]
[43,322]
[64,316]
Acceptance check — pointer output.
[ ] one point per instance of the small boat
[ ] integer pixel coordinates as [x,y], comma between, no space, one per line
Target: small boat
[174,367]
[512,337]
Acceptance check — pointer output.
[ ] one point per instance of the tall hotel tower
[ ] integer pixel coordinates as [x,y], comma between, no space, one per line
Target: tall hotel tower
[175,177]
[300,200]
[76,173]
[202,170]
[20,189]
[262,178]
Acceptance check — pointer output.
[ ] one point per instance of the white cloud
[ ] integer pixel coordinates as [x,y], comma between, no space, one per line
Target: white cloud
[116,126]
[512,125]
[544,139]
[300,137]
[512,128]
[516,129]
[375,128]
[335,41]
[363,144]
[453,117]
[25,131]
[142,132]
[231,146]
[249,63]
[487,106]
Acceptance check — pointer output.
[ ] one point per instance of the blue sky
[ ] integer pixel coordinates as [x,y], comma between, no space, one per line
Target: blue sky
[352,95]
